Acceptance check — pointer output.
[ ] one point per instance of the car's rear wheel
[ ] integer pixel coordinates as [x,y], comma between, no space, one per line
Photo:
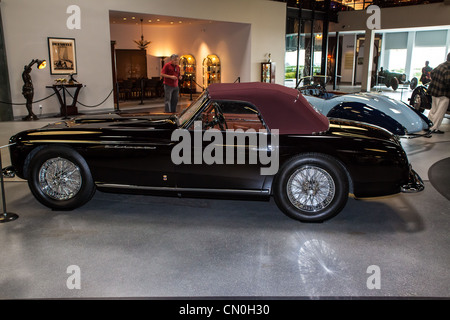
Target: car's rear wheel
[416,102]
[311,188]
[60,178]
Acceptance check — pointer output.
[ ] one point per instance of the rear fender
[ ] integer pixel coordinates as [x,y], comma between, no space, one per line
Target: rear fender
[361,112]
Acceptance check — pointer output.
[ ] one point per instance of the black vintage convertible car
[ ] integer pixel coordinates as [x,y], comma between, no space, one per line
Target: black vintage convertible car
[236,140]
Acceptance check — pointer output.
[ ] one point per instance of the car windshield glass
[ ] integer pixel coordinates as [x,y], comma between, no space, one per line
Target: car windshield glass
[190,111]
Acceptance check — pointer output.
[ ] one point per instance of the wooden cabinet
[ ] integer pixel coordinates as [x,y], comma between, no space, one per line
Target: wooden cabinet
[131,64]
[268,72]
[211,70]
[188,72]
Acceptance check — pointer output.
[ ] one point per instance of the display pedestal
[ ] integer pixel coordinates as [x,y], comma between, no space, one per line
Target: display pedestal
[7,217]
[67,110]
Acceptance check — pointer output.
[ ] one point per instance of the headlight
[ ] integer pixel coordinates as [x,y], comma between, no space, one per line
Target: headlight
[12,139]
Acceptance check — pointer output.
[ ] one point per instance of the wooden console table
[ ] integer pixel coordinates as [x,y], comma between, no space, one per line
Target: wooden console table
[67,110]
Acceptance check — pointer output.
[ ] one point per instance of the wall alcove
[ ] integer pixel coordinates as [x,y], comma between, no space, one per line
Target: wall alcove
[211,70]
[188,71]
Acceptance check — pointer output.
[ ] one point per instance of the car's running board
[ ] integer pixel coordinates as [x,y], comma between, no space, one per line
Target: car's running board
[251,192]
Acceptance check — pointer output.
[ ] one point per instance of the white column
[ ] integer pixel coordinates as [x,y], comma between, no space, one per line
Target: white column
[409,53]
[381,62]
[447,47]
[368,60]
[348,58]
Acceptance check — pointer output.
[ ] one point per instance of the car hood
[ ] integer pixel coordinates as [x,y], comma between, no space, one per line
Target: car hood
[114,121]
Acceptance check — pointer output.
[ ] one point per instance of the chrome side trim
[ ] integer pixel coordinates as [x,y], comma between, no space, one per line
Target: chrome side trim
[177,189]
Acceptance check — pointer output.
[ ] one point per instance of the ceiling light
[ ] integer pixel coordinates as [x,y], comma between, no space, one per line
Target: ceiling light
[142,44]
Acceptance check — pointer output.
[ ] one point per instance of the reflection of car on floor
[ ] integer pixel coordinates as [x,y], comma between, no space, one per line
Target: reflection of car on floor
[376,109]
[393,79]
[315,163]
[421,99]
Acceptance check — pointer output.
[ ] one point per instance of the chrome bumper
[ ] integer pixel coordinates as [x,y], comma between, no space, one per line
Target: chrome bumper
[9,172]
[415,183]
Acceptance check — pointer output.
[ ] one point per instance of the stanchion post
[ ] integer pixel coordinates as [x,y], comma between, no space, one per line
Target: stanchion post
[142,91]
[117,97]
[5,216]
[190,87]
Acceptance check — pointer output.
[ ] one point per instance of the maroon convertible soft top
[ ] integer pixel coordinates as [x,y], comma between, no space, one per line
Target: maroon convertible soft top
[282,108]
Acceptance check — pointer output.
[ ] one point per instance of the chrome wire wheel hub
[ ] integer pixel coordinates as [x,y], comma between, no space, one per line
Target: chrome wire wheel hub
[310,189]
[417,102]
[60,179]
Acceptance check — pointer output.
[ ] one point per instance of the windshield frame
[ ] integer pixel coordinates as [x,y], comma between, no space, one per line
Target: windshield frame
[183,120]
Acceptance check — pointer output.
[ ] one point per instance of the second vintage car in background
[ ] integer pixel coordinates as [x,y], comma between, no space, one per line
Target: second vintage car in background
[377,109]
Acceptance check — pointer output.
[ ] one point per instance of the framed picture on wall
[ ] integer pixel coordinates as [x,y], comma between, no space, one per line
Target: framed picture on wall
[62,56]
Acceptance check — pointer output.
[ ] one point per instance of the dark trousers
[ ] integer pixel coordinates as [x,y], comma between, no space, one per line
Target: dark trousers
[171,98]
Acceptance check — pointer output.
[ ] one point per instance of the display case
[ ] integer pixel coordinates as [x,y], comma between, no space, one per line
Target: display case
[211,70]
[188,72]
[268,72]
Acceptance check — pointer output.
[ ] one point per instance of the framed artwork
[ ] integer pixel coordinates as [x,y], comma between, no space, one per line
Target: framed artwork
[62,56]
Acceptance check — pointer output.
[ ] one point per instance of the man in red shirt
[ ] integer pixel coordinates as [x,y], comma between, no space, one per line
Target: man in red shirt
[171,74]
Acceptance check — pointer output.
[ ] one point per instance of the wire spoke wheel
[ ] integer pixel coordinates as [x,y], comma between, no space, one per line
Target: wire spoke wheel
[310,189]
[417,102]
[60,179]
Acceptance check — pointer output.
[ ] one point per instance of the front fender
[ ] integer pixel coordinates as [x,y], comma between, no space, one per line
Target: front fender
[361,112]
[421,115]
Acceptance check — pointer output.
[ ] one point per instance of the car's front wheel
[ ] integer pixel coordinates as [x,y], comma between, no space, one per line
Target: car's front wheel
[311,188]
[60,178]
[394,83]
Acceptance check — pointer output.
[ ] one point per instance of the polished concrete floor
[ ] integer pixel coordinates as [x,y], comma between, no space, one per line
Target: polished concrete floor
[127,246]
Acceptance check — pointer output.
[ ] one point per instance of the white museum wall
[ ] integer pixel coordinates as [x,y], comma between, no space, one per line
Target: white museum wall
[28,23]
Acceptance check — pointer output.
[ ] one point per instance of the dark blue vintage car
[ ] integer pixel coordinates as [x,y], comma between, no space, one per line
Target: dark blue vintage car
[377,109]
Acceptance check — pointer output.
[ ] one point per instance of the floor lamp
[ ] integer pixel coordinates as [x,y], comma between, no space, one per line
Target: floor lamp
[27,89]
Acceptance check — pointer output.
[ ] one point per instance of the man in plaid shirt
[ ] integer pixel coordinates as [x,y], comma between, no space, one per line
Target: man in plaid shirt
[439,89]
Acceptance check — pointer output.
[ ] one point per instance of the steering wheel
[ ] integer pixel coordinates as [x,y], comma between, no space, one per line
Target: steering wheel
[322,90]
[315,90]
[218,118]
